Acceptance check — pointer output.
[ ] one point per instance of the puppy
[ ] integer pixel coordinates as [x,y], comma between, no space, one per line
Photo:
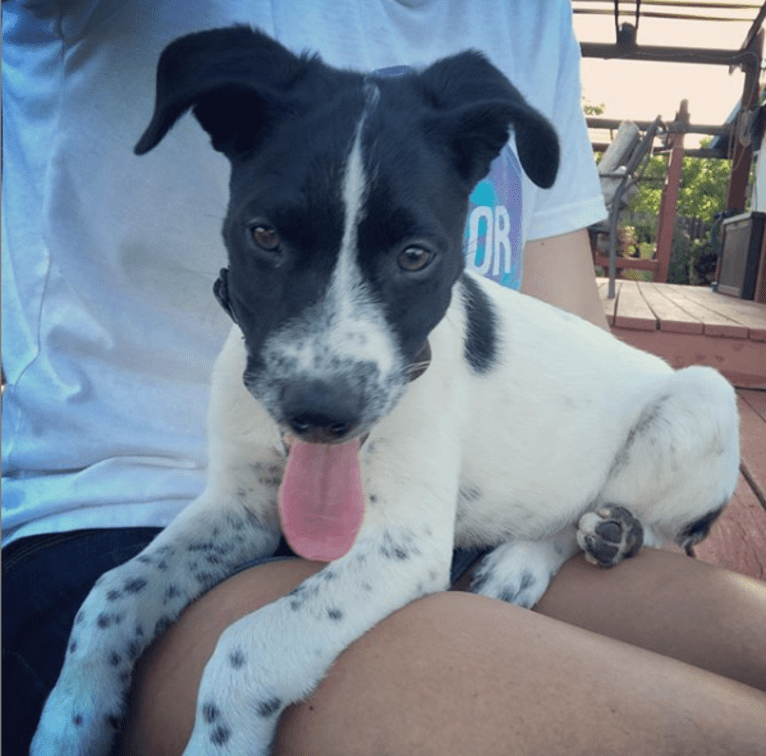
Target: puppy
[422,407]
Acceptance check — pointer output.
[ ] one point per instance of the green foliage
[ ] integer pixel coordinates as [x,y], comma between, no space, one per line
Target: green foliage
[702,195]
[593,110]
[703,187]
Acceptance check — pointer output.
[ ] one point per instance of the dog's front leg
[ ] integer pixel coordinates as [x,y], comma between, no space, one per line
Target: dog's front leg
[133,604]
[277,655]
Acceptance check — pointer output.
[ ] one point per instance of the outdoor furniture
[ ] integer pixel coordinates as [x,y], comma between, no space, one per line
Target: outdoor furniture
[620,169]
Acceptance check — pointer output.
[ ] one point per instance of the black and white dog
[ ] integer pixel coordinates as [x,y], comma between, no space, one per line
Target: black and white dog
[526,429]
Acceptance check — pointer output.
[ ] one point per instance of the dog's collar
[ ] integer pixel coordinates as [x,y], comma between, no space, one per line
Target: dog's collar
[421,361]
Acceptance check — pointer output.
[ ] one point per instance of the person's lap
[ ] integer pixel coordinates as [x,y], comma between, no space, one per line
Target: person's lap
[421,668]
[458,673]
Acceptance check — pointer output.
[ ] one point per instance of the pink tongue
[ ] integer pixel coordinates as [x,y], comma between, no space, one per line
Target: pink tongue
[321,502]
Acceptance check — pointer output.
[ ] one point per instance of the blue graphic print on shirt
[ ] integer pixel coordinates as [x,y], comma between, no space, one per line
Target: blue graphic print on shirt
[492,235]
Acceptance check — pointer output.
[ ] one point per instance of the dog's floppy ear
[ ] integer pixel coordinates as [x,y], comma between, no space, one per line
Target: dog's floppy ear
[474,105]
[234,79]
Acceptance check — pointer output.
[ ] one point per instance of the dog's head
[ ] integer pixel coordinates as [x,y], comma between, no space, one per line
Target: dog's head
[349,195]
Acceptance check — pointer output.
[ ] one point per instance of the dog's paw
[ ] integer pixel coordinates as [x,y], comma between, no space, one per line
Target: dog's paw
[609,535]
[520,572]
[237,710]
[79,718]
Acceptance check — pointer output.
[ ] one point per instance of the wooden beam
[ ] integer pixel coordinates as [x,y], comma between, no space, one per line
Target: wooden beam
[725,129]
[719,154]
[665,54]
[742,154]
[755,28]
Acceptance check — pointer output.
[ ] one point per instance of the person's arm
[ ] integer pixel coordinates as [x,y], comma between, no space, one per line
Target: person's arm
[559,270]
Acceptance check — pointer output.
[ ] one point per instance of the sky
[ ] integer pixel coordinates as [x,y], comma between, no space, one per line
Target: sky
[643,90]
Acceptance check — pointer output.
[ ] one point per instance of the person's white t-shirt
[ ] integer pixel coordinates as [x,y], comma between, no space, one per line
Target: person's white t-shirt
[110,327]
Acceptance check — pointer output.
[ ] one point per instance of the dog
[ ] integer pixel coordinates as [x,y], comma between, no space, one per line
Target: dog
[376,403]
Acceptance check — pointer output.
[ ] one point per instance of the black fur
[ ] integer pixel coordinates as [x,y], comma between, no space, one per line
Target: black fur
[286,123]
[698,530]
[481,328]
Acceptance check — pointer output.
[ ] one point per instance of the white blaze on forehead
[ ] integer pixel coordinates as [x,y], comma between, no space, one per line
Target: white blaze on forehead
[347,325]
[357,325]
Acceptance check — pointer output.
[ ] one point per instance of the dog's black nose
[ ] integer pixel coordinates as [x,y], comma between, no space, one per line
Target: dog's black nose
[320,412]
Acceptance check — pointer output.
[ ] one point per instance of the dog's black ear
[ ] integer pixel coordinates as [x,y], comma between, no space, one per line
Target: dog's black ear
[235,80]
[474,105]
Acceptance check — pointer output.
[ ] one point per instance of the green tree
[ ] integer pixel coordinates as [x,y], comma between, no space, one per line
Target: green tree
[703,187]
[702,195]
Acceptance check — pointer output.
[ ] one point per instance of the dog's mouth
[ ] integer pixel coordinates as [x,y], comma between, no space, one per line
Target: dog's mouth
[322,499]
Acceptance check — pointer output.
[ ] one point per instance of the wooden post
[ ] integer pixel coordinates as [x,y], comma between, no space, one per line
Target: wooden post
[742,153]
[669,201]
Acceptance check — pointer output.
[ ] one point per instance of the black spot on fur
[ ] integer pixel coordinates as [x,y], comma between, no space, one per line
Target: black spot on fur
[646,419]
[527,580]
[390,549]
[144,559]
[698,530]
[79,618]
[162,565]
[205,579]
[171,592]
[220,735]
[508,596]
[335,614]
[115,659]
[162,624]
[480,348]
[253,519]
[113,720]
[237,659]
[270,707]
[135,586]
[134,650]
[113,595]
[77,720]
[210,712]
[73,647]
[200,546]
[470,493]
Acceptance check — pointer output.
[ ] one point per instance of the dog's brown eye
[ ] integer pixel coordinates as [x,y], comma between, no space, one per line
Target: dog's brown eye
[265,237]
[414,259]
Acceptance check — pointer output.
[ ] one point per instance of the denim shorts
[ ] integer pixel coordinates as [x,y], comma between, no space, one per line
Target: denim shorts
[45,580]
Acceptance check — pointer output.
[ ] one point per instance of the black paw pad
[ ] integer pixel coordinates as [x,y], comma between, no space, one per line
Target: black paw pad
[609,535]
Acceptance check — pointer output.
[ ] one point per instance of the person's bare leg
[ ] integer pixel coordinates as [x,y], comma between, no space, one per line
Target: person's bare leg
[670,604]
[456,673]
